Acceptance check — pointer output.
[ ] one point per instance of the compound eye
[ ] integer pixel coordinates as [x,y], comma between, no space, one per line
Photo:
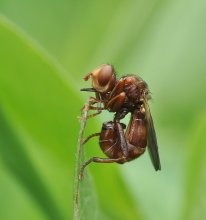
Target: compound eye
[104,75]
[104,78]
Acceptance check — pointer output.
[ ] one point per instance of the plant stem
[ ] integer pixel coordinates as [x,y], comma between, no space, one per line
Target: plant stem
[79,158]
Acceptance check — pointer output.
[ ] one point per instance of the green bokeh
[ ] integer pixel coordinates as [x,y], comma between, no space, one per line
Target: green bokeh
[46,49]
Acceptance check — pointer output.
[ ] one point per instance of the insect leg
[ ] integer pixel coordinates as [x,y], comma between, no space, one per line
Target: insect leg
[117,89]
[84,141]
[116,102]
[89,107]
[98,160]
[121,136]
[93,101]
[97,100]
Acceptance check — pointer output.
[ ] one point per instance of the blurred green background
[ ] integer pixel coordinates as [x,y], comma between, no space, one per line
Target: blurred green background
[46,48]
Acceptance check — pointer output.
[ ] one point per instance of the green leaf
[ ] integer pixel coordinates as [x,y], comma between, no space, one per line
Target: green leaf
[39,131]
[162,41]
[20,166]
[36,98]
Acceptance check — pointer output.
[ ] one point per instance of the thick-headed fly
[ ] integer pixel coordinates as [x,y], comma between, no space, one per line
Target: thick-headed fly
[129,94]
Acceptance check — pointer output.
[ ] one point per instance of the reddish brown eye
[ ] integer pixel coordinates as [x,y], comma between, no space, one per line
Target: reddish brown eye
[104,78]
[105,74]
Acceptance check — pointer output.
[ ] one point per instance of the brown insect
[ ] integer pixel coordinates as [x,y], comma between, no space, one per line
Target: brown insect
[120,96]
[129,94]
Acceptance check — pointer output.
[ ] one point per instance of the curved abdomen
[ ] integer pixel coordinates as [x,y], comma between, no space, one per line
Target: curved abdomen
[136,135]
[136,138]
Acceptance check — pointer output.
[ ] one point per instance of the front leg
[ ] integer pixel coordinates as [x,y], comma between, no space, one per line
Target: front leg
[97,101]
[90,107]
[93,101]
